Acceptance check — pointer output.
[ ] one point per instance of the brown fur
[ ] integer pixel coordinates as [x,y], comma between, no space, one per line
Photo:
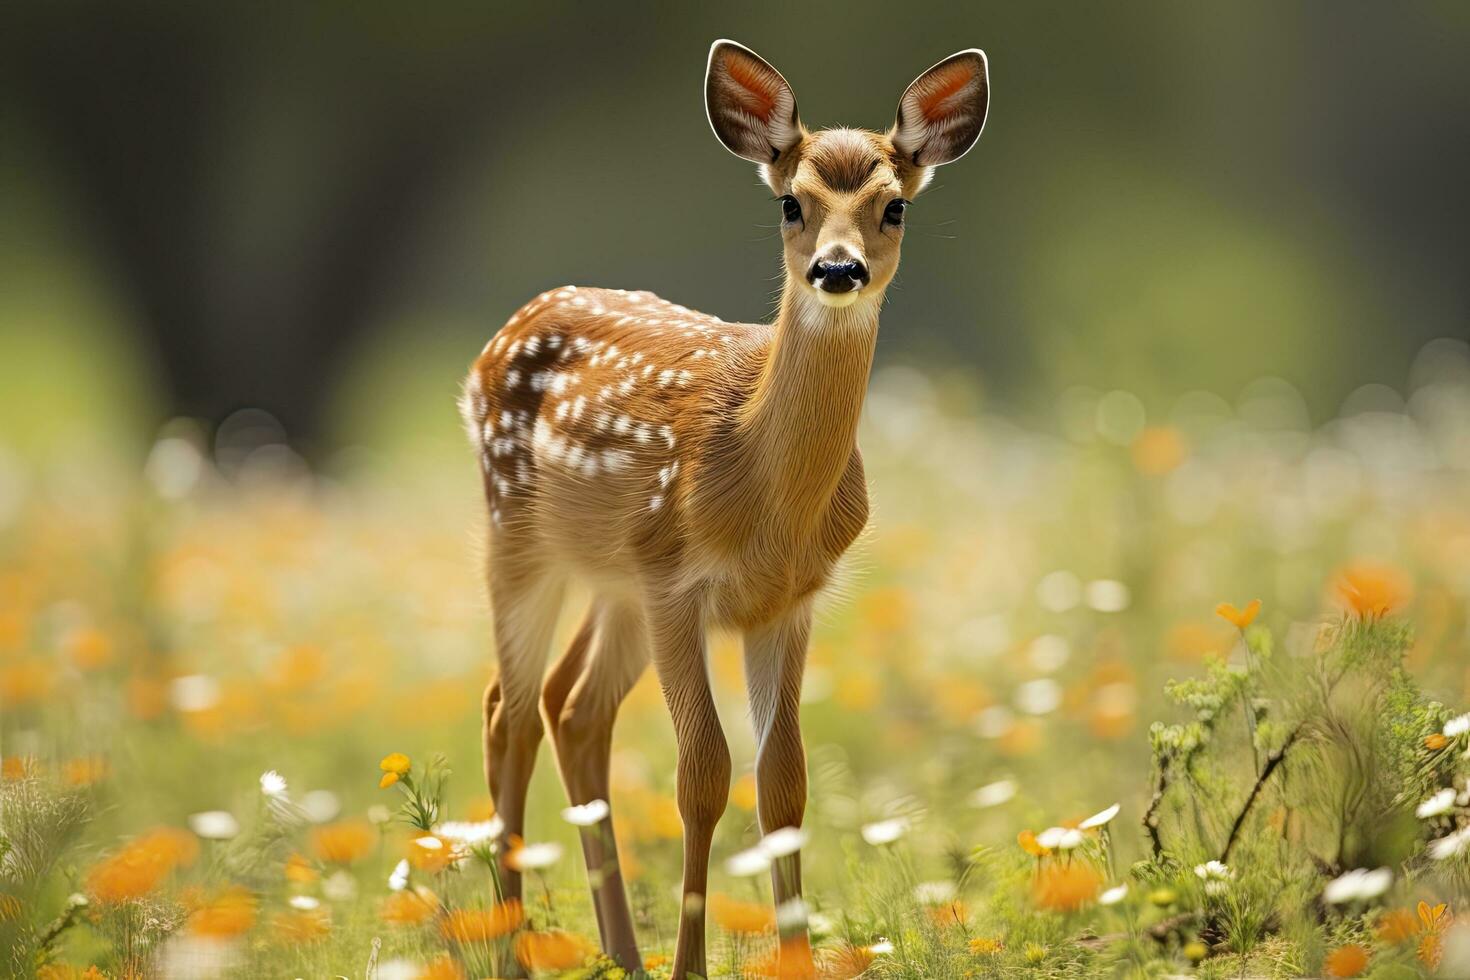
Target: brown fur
[696,473]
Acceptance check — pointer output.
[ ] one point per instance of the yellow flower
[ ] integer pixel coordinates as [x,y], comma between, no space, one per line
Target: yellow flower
[1239,618]
[396,763]
[1196,951]
[733,915]
[389,778]
[981,946]
[1435,742]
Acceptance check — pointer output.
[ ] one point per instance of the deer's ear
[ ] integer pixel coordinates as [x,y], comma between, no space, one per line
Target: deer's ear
[750,106]
[943,111]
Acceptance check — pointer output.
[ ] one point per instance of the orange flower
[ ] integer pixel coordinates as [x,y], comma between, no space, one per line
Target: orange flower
[791,959]
[1239,618]
[1346,961]
[1431,948]
[424,856]
[13,767]
[141,865]
[1065,887]
[299,870]
[949,914]
[1396,926]
[1027,840]
[409,908]
[84,771]
[302,925]
[982,946]
[230,913]
[749,918]
[1435,742]
[89,648]
[1372,589]
[479,925]
[443,968]
[655,960]
[555,950]
[389,778]
[343,842]
[1432,917]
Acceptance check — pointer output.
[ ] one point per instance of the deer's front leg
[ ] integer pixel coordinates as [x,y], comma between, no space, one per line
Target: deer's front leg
[775,656]
[678,639]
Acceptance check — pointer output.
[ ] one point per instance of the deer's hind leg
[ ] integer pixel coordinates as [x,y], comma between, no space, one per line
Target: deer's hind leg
[525,599]
[580,703]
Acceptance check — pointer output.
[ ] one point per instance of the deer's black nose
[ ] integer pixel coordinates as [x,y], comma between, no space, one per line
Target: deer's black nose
[841,276]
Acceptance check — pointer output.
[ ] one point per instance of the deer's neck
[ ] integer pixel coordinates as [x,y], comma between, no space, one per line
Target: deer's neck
[800,424]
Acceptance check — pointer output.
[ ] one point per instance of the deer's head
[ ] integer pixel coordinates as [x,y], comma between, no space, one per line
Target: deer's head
[843,193]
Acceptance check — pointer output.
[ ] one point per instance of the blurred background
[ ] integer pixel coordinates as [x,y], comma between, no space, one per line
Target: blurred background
[322,210]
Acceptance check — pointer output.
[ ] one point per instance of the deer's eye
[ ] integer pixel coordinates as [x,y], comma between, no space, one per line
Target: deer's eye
[790,209]
[893,214]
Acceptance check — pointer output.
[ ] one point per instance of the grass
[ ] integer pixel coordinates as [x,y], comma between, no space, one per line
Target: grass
[1027,636]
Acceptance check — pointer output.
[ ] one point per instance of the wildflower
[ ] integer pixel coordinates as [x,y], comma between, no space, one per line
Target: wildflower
[1371,589]
[1216,876]
[1440,803]
[554,950]
[1163,897]
[409,908]
[1434,742]
[1358,885]
[304,902]
[230,913]
[1345,961]
[885,831]
[140,866]
[1396,926]
[1431,917]
[1239,618]
[734,915]
[881,948]
[302,925]
[1451,845]
[993,794]
[1034,953]
[1101,818]
[428,853]
[480,925]
[395,766]
[1457,726]
[272,783]
[751,861]
[467,833]
[534,857]
[1194,951]
[1029,843]
[587,815]
[1065,887]
[444,967]
[783,842]
[934,892]
[214,825]
[1060,838]
[398,880]
[343,842]
[982,946]
[1113,895]
[655,960]
[299,869]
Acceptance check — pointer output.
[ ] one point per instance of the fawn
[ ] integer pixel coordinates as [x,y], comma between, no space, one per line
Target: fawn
[695,474]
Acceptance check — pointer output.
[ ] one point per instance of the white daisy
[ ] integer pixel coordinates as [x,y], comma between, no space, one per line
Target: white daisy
[1450,846]
[1100,818]
[1060,838]
[1358,885]
[588,814]
[1113,895]
[751,861]
[881,948]
[885,831]
[304,902]
[398,880]
[993,794]
[471,832]
[214,825]
[1457,726]
[1441,802]
[272,783]
[784,842]
[534,857]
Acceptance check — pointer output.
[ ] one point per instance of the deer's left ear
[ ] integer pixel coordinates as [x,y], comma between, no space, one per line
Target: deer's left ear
[943,111]
[751,107]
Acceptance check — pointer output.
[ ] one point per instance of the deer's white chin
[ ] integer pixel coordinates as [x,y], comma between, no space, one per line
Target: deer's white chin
[837,300]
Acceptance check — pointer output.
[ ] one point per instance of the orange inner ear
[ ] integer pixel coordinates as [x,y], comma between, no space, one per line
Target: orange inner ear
[757,92]
[945,85]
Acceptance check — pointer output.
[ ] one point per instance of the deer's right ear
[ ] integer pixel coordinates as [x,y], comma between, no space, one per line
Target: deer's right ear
[751,108]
